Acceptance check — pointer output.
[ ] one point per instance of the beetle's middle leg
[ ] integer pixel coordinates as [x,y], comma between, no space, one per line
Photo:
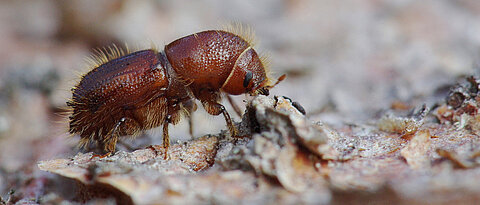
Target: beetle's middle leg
[166,137]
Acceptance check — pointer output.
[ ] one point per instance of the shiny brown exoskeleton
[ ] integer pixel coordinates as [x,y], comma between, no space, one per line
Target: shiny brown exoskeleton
[127,93]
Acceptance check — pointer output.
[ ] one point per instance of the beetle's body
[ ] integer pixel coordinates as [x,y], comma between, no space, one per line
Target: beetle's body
[127,93]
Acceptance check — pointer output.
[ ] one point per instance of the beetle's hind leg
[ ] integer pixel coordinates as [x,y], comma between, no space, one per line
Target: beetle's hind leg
[109,142]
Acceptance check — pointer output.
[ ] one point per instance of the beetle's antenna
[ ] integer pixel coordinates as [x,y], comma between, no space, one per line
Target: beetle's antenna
[280,79]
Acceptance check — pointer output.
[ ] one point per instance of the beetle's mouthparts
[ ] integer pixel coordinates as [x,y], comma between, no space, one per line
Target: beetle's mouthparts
[264,91]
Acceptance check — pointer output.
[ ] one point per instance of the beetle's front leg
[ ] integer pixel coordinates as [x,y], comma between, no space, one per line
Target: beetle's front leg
[215,108]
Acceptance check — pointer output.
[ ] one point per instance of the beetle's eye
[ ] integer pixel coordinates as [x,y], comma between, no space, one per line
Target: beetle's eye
[248,78]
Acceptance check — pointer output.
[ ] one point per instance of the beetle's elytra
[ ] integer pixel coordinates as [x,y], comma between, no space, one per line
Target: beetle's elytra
[127,92]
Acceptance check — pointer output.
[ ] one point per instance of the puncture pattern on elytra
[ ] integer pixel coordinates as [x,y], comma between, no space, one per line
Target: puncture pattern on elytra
[127,92]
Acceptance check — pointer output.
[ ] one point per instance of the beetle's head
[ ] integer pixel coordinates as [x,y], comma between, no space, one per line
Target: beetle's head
[249,75]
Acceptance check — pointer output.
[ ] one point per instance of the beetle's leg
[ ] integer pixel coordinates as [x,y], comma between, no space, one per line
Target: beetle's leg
[166,138]
[229,121]
[129,126]
[234,106]
[110,144]
[190,126]
[110,141]
[214,108]
[189,107]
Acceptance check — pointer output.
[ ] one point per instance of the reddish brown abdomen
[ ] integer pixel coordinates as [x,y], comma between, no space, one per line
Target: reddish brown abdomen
[206,58]
[115,90]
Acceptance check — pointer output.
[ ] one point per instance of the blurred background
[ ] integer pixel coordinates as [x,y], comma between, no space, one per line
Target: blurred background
[345,61]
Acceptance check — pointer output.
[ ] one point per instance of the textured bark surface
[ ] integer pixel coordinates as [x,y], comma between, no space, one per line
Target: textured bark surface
[289,159]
